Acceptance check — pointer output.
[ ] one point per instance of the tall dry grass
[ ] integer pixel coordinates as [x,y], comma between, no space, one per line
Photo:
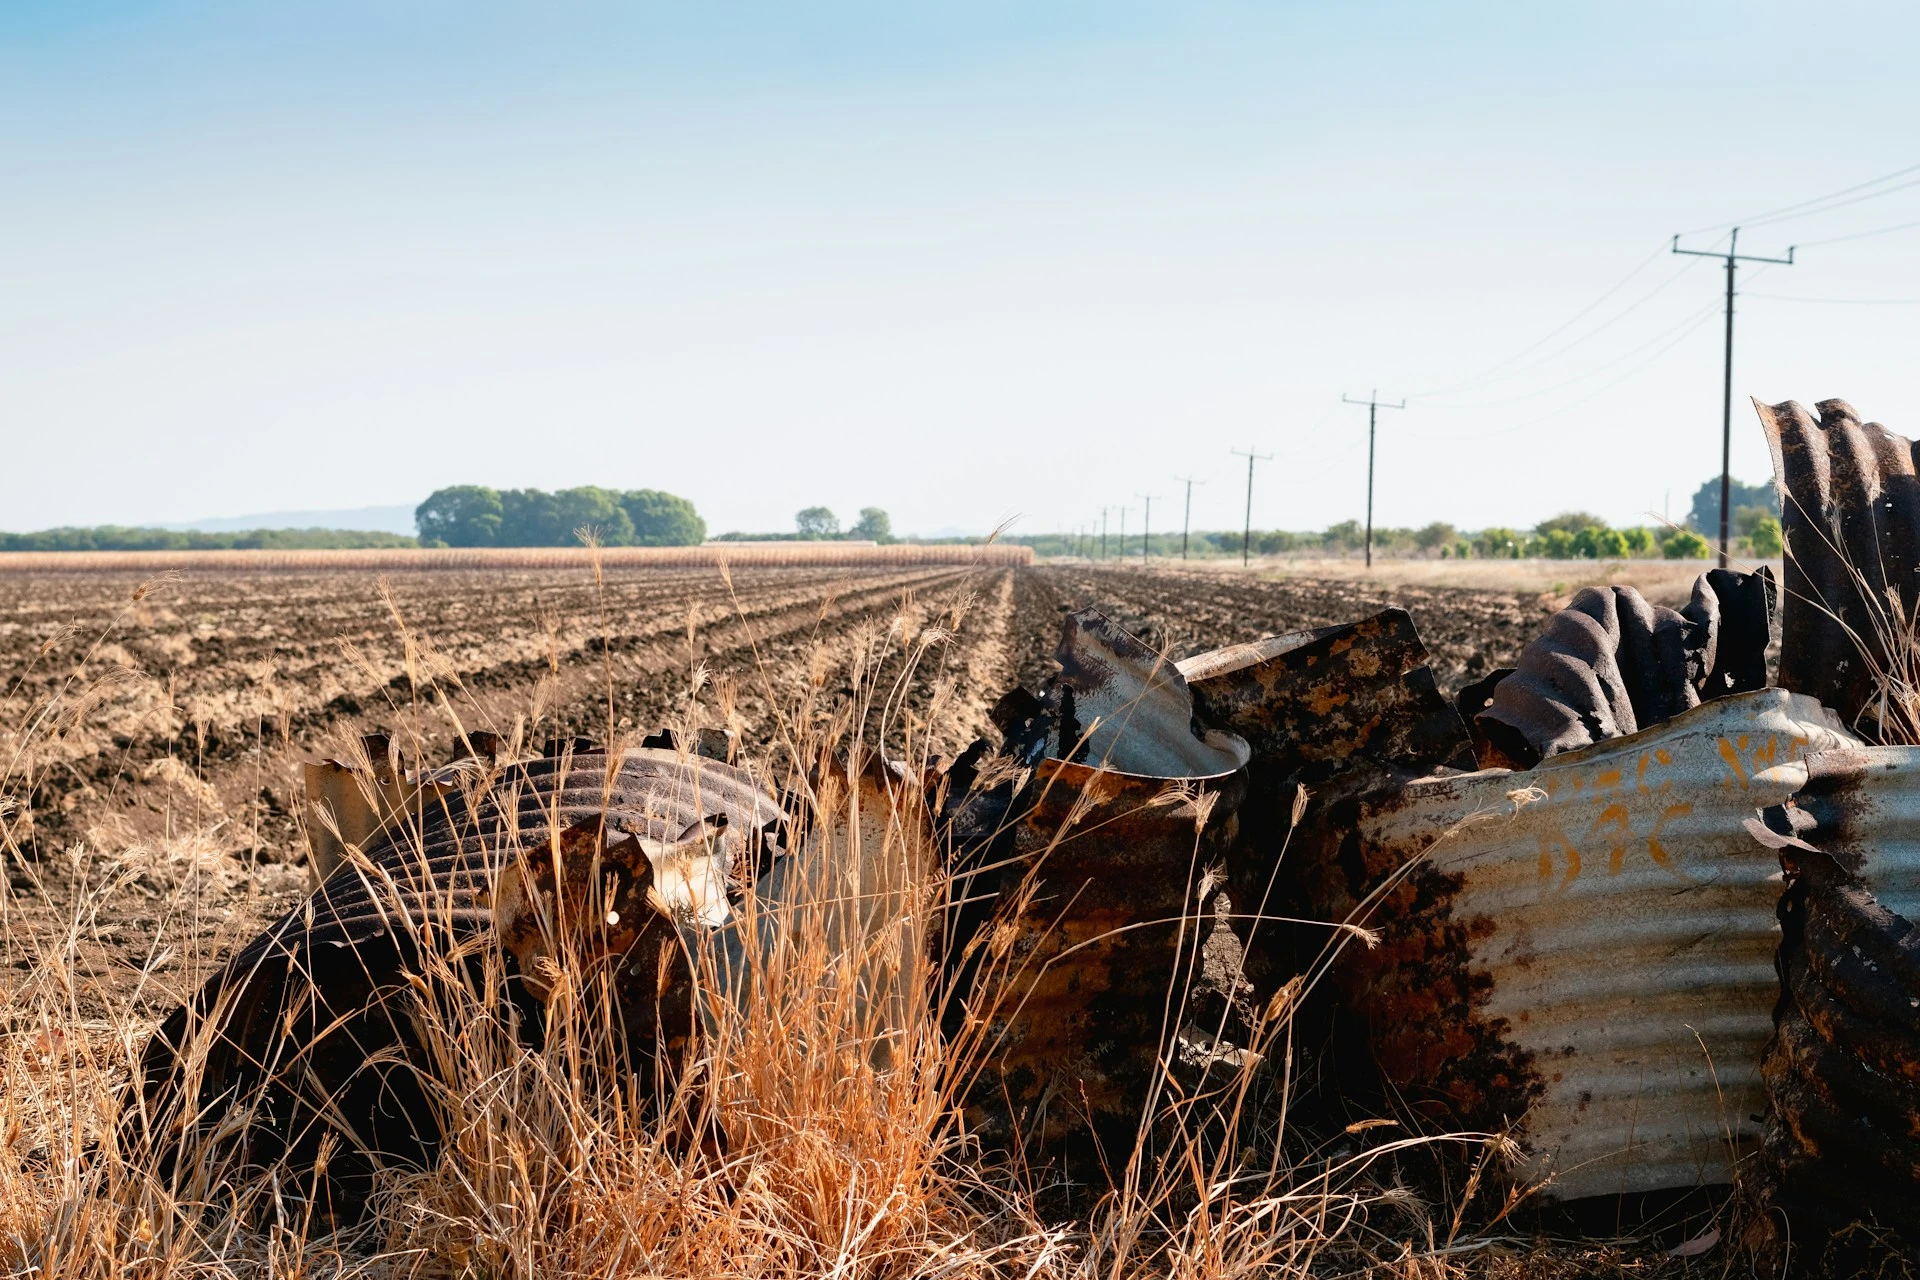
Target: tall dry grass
[818,1128]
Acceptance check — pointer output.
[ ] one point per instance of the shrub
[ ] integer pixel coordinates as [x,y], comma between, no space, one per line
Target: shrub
[1765,538]
[1685,544]
[1438,534]
[1640,542]
[1570,522]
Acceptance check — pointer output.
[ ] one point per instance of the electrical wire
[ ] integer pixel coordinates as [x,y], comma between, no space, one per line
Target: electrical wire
[1848,302]
[1859,235]
[1829,208]
[1551,334]
[1698,320]
[1582,377]
[1759,219]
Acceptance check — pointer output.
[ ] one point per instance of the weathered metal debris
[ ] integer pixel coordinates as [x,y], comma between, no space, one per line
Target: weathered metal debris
[1843,1069]
[310,1030]
[1850,516]
[1583,950]
[1101,872]
[1611,664]
[350,803]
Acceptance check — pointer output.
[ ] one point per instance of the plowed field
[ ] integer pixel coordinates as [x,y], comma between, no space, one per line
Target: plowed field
[176,712]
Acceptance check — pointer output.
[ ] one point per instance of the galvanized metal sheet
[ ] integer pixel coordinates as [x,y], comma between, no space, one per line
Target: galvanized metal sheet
[1584,950]
[1126,707]
[1850,515]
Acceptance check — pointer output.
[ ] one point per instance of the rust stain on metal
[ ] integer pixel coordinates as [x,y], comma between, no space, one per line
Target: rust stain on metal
[1101,896]
[1557,944]
[1843,1069]
[1314,703]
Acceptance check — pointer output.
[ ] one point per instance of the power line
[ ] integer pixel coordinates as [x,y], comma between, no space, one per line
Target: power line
[1734,259]
[1373,409]
[1698,320]
[1849,302]
[1246,537]
[1861,235]
[1684,322]
[1754,220]
[1577,316]
[1829,208]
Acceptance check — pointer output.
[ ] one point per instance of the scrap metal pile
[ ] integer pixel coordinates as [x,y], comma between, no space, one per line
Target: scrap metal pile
[1626,901]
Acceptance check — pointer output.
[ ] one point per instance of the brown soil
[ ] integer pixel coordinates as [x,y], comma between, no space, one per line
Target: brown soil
[181,709]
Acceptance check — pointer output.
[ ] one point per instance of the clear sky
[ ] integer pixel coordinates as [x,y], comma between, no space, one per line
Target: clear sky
[965,262]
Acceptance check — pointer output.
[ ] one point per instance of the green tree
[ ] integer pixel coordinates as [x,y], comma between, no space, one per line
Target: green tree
[535,518]
[1609,544]
[1497,544]
[1274,542]
[1437,534]
[1555,544]
[1765,538]
[872,526]
[1640,542]
[662,519]
[462,515]
[1704,516]
[817,522]
[1345,536]
[1685,544]
[1571,522]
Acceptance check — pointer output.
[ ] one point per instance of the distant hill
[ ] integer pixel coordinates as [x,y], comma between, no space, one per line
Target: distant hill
[361,519]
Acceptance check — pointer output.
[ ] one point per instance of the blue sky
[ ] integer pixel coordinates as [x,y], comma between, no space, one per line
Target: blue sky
[965,262]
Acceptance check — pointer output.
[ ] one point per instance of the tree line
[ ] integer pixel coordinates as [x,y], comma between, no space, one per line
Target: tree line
[472,515]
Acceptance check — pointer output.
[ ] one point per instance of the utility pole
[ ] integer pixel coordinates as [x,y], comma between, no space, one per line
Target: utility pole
[1146,524]
[1726,406]
[1103,533]
[1373,409]
[1186,521]
[1246,537]
[1123,533]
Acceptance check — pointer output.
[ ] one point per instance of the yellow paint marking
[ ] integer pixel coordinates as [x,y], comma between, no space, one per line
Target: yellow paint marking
[1614,815]
[1728,754]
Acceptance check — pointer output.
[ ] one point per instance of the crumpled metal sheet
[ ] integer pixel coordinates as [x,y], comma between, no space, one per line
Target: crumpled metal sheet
[1850,515]
[1313,705]
[351,802]
[1611,664]
[1843,1069]
[1119,704]
[1562,949]
[1077,983]
[317,1006]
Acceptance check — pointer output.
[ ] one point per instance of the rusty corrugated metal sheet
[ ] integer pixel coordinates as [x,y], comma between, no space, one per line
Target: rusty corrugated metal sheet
[1850,514]
[1843,1070]
[1128,803]
[1317,704]
[312,1015]
[1562,948]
